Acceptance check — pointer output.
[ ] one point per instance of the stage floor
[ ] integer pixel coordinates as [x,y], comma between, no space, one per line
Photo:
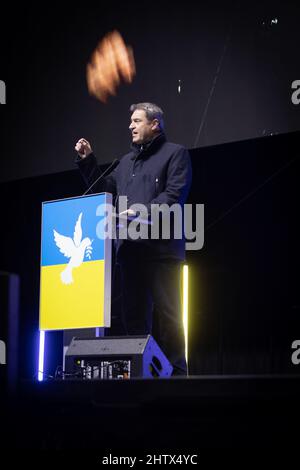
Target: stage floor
[197,413]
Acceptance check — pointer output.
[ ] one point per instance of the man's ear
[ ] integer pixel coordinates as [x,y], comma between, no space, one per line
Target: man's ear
[155,124]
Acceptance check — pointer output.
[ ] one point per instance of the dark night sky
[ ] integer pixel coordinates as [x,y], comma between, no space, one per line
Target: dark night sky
[44,52]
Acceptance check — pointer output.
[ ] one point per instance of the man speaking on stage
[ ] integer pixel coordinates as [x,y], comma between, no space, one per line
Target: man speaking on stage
[155,171]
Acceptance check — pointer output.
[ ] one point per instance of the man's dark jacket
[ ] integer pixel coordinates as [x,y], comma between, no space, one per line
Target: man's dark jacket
[156,173]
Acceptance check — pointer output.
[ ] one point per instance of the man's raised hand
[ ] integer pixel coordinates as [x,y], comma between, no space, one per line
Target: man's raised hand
[83,148]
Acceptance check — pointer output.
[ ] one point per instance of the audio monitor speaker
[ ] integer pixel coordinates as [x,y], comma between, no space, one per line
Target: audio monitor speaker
[116,357]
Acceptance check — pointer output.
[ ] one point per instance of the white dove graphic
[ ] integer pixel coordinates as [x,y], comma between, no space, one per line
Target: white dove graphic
[74,249]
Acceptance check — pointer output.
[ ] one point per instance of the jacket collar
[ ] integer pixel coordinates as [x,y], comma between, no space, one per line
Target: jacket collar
[149,147]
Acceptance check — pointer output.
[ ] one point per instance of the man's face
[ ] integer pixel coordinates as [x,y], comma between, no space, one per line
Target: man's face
[141,129]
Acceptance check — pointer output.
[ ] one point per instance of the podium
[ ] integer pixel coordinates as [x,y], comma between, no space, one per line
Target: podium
[75,270]
[75,290]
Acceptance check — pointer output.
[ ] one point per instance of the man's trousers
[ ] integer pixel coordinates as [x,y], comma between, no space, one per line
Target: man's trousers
[151,292]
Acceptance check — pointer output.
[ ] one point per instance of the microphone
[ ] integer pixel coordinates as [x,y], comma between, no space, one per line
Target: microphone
[111,167]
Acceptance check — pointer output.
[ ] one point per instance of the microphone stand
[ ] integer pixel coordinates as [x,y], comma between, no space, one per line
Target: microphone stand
[111,167]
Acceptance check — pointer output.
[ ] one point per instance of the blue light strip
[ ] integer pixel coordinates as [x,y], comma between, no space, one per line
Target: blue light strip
[41,356]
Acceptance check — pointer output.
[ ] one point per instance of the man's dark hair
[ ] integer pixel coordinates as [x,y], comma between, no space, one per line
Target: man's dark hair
[152,111]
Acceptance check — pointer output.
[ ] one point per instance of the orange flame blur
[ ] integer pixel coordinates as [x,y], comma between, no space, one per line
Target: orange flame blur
[110,62]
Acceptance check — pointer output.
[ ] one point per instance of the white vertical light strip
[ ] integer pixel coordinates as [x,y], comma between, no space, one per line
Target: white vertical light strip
[185,307]
[41,356]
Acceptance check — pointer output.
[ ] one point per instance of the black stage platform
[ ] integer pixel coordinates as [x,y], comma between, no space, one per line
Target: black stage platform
[197,413]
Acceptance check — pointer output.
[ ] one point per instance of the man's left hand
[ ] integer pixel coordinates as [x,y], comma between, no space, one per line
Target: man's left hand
[128,213]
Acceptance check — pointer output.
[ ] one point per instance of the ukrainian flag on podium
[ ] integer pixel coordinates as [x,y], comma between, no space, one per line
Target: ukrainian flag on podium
[75,275]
